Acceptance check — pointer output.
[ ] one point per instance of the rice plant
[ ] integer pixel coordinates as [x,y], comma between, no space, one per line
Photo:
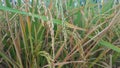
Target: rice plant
[59,33]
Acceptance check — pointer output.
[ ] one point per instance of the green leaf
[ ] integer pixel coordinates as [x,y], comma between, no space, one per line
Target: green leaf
[19,2]
[56,21]
[6,58]
[107,5]
[8,3]
[109,45]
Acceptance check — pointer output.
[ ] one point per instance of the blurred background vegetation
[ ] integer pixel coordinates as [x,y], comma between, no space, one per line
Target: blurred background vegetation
[59,33]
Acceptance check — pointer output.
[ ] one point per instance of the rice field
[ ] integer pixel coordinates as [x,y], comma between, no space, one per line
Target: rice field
[59,34]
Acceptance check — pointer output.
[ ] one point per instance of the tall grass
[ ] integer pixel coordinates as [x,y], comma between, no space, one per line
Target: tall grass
[59,34]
